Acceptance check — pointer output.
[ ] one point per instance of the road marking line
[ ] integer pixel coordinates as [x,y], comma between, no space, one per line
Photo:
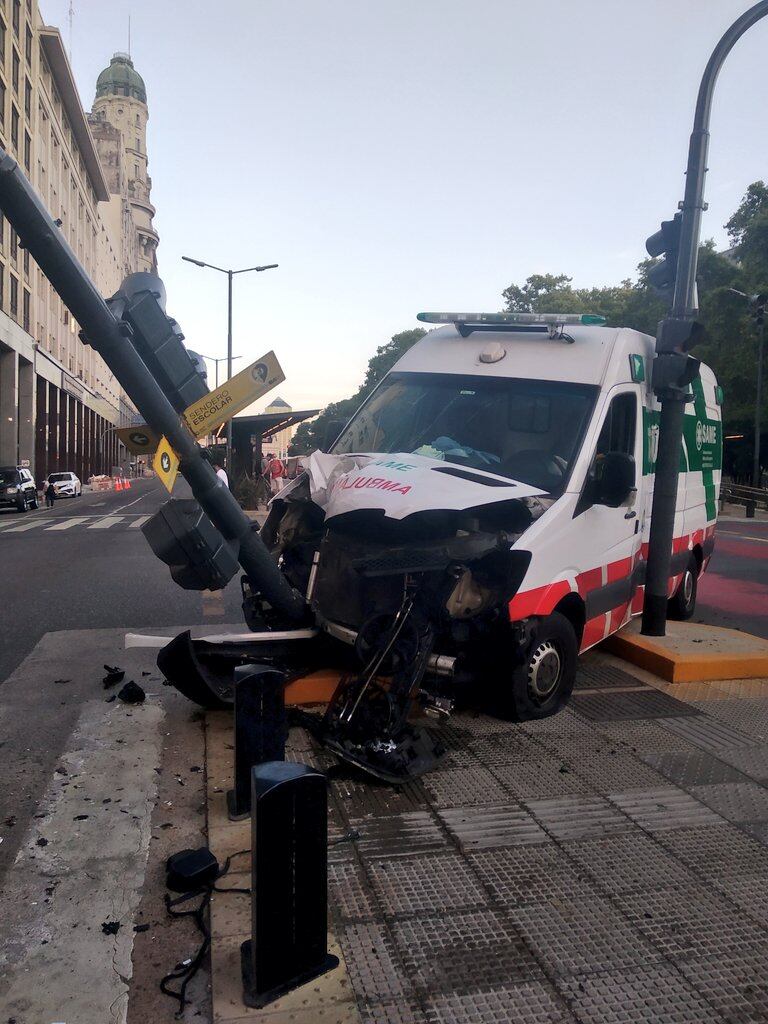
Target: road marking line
[121,507]
[105,523]
[75,521]
[139,522]
[742,536]
[23,528]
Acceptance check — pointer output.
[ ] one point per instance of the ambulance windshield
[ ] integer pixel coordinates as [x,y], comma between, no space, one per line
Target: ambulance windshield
[526,430]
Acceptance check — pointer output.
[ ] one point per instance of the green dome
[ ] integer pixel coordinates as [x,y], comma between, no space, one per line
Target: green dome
[121,79]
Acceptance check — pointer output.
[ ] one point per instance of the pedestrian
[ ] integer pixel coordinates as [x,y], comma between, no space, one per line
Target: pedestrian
[276,471]
[218,464]
[50,494]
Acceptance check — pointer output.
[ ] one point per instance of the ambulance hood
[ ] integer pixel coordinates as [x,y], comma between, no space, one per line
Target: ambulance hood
[399,485]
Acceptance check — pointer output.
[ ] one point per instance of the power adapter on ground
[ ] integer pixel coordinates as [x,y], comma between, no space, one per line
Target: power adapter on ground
[190,870]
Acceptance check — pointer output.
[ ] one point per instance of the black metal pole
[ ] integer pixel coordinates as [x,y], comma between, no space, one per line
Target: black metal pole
[671,367]
[229,368]
[38,233]
[758,397]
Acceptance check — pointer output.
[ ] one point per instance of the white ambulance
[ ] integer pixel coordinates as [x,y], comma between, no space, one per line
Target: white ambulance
[506,464]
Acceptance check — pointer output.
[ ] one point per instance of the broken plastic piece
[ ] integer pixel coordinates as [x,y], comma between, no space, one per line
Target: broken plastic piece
[114,675]
[132,693]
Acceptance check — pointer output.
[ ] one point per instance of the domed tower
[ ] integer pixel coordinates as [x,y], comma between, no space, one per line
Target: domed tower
[119,125]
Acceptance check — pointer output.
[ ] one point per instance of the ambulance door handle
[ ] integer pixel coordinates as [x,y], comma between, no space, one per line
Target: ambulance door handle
[630,515]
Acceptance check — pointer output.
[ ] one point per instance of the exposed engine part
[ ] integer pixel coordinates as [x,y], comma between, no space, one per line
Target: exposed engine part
[467,598]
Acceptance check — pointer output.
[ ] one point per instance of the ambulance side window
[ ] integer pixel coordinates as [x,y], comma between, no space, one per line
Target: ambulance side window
[618,434]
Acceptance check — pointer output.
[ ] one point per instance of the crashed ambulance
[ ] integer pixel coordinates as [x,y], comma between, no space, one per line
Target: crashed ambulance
[483,519]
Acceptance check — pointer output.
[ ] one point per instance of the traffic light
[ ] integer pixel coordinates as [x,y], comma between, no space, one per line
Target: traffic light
[665,242]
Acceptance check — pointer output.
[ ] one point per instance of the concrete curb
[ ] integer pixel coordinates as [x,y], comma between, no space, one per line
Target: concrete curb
[718,653]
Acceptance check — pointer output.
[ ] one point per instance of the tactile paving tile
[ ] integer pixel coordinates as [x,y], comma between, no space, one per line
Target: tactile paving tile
[401,835]
[717,851]
[582,935]
[464,787]
[749,716]
[463,952]
[373,964]
[349,895]
[359,799]
[737,985]
[522,875]
[640,736]
[613,707]
[735,801]
[579,817]
[708,733]
[757,829]
[595,675]
[476,828]
[565,723]
[615,771]
[684,922]
[666,807]
[506,748]
[534,1002]
[628,863]
[480,725]
[695,768]
[752,761]
[426,885]
[652,993]
[390,1013]
[751,894]
[541,779]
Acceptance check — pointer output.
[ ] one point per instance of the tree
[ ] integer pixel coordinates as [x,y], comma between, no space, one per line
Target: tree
[314,434]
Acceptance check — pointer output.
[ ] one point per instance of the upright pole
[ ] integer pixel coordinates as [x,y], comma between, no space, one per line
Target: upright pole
[229,369]
[758,400]
[673,369]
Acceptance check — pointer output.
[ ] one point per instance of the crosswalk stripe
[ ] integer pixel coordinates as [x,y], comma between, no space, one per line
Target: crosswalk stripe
[75,521]
[139,522]
[24,527]
[106,522]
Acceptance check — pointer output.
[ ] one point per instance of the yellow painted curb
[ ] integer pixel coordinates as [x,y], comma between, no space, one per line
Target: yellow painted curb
[683,667]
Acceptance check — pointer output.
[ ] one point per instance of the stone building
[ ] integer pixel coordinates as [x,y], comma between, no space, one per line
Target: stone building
[279,440]
[59,403]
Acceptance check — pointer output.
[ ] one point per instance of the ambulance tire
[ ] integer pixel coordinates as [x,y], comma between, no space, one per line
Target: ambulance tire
[682,604]
[542,685]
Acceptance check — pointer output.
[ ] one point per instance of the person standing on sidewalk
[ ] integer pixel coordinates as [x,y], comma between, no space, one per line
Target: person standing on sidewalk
[276,471]
[50,494]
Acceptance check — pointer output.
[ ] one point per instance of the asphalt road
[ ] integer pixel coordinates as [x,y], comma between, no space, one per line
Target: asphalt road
[85,564]
[734,590]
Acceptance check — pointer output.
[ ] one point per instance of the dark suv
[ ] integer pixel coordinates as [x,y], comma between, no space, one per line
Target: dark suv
[17,488]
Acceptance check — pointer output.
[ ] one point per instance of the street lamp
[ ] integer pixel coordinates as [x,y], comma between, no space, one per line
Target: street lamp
[221,359]
[757,304]
[230,274]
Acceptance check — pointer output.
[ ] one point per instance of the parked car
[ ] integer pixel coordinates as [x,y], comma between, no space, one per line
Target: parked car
[66,485]
[17,488]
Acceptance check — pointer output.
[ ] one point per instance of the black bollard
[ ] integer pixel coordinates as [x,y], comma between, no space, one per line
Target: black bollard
[289,882]
[261,727]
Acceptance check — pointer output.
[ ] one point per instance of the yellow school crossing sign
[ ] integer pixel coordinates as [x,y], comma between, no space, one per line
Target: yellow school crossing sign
[166,464]
[234,395]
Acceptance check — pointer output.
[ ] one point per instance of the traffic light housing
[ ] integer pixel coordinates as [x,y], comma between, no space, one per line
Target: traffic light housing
[665,242]
[182,536]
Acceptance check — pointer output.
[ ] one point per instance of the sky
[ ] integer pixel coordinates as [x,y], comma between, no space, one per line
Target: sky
[413,155]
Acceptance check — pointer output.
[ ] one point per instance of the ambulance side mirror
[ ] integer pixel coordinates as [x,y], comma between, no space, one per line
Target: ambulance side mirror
[617,479]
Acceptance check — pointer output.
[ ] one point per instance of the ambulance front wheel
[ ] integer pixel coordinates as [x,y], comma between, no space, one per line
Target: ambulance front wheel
[683,604]
[542,684]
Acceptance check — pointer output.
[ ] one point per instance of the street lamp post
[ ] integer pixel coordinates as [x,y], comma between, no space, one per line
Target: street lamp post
[230,274]
[221,359]
[673,369]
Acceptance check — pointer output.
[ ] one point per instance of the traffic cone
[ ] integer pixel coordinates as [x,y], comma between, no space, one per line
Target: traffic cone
[118,484]
[127,484]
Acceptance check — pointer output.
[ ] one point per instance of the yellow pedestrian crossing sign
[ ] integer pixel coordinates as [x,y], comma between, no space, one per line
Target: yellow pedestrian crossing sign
[234,395]
[166,464]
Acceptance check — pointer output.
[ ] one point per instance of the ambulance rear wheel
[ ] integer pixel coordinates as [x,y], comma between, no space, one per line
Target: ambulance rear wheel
[683,604]
[542,684]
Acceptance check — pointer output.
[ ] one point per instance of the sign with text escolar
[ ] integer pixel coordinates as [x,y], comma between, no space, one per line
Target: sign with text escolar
[166,464]
[139,440]
[234,395]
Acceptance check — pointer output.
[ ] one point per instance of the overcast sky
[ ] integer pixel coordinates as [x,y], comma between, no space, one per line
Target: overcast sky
[413,154]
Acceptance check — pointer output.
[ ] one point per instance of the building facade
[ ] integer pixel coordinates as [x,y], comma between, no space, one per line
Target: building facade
[279,441]
[59,403]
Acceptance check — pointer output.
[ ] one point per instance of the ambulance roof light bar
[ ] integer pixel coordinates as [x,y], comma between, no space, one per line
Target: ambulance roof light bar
[527,323]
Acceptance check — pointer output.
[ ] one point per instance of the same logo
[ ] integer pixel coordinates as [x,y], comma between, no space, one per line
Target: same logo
[260,372]
[706,433]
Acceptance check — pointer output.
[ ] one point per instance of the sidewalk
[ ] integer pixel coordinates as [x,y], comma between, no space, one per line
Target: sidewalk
[607,864]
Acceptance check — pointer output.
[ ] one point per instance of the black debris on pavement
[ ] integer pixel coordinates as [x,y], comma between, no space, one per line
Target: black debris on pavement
[59,682]
[195,768]
[41,842]
[132,693]
[80,817]
[110,927]
[114,675]
[141,928]
[10,821]
[146,673]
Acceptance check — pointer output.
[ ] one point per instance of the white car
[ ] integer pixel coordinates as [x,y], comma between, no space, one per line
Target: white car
[66,485]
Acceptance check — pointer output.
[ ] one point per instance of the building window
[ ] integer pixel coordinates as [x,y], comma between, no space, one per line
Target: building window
[14,244]
[16,17]
[2,41]
[15,71]
[28,45]
[27,151]
[138,120]
[26,262]
[28,98]
[138,145]
[2,289]
[2,105]
[2,231]
[15,128]
[26,300]
[14,298]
